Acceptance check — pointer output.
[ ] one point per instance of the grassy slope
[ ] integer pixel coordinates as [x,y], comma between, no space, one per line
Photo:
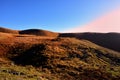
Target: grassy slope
[108,40]
[39,32]
[5,30]
[56,59]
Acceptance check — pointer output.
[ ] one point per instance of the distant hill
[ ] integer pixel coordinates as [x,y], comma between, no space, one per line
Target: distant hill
[108,40]
[6,30]
[39,32]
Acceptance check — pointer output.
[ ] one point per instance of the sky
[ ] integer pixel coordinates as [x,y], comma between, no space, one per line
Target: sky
[109,22]
[57,15]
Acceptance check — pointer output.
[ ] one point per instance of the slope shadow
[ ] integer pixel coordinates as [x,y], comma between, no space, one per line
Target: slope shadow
[33,56]
[108,40]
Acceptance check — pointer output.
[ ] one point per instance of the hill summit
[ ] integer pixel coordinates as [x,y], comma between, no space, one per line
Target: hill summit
[39,32]
[6,30]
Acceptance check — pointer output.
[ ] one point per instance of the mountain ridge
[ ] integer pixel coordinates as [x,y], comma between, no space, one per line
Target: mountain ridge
[108,40]
[102,39]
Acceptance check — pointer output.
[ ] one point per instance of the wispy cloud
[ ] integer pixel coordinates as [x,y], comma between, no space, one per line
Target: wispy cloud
[109,22]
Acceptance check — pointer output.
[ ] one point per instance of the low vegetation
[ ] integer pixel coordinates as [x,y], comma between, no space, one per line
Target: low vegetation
[24,57]
[102,39]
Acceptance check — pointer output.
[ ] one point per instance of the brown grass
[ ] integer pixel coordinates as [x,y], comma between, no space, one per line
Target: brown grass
[108,40]
[57,58]
[5,30]
[64,58]
[39,32]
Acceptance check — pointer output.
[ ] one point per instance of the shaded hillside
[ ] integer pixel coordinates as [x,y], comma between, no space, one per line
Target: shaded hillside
[5,30]
[57,59]
[108,40]
[38,32]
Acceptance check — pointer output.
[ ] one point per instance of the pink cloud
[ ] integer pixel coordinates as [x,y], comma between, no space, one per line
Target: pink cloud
[109,22]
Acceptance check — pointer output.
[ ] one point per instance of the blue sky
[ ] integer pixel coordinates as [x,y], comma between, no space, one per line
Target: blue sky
[54,15]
